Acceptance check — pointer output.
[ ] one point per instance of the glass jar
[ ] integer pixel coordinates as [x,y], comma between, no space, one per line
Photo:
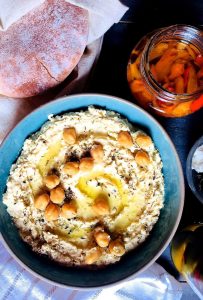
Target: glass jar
[165,71]
[187,256]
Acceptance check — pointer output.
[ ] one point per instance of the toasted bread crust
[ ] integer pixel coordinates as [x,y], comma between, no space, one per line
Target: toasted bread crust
[41,49]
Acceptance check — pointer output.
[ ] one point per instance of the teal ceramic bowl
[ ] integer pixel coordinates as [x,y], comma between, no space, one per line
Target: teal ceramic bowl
[133,262]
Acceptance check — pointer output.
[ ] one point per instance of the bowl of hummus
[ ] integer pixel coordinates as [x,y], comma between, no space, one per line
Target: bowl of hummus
[91,184]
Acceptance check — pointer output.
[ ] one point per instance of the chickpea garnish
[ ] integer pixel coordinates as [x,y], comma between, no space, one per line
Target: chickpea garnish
[142,158]
[101,206]
[116,248]
[144,141]
[71,168]
[51,181]
[86,164]
[93,256]
[52,212]
[97,153]
[57,195]
[42,201]
[125,139]
[69,210]
[102,238]
[69,135]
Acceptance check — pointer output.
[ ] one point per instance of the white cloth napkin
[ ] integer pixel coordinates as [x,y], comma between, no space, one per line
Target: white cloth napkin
[18,284]
[102,14]
[12,10]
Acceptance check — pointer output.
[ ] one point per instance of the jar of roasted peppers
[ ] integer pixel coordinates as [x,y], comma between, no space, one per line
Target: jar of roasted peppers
[165,71]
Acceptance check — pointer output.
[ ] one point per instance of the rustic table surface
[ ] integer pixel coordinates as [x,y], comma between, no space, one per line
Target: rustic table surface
[110,78]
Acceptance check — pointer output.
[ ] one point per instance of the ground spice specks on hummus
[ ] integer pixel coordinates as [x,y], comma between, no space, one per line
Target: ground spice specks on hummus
[86,188]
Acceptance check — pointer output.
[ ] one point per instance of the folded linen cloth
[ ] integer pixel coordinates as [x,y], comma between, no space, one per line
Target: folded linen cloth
[16,283]
[101,15]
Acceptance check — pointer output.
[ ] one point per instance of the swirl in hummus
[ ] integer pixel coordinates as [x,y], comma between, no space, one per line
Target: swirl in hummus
[86,188]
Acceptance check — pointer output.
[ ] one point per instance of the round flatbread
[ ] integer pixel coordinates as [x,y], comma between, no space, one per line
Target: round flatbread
[41,49]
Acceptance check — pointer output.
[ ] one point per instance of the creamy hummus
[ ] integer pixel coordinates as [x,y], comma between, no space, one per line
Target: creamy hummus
[134,191]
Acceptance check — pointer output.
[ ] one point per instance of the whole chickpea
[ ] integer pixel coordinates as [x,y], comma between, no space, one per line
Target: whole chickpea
[69,135]
[86,164]
[69,210]
[57,195]
[41,201]
[93,256]
[142,158]
[101,205]
[125,139]
[97,153]
[71,168]
[51,181]
[102,238]
[52,212]
[116,248]
[144,141]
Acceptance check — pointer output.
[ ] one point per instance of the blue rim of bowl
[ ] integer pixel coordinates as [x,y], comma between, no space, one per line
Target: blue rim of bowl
[182,192]
[189,169]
